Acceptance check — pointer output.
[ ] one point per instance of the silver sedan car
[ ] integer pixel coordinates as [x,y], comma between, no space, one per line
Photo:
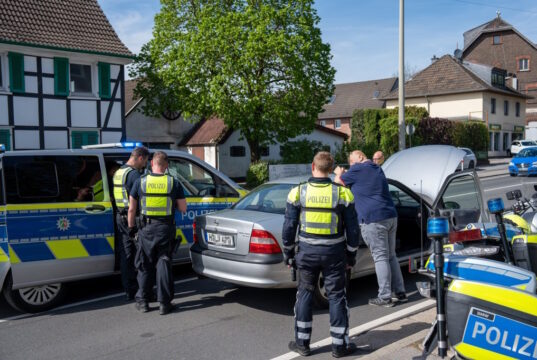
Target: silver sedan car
[243,244]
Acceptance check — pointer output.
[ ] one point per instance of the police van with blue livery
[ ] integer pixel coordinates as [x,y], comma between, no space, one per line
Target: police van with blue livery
[57,219]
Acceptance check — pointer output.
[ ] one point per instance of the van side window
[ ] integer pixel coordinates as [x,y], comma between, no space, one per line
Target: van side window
[52,179]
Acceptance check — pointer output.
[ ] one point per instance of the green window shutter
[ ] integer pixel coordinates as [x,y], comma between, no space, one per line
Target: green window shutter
[61,76]
[104,80]
[5,138]
[81,138]
[16,72]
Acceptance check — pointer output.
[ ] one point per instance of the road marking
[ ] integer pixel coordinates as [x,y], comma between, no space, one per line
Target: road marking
[85,302]
[427,304]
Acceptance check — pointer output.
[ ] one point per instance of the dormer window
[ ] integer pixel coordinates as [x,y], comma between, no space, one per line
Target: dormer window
[332,99]
[498,77]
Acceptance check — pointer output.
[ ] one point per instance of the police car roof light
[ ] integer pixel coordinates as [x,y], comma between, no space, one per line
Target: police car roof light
[465,235]
[131,144]
[2,148]
[437,227]
[495,205]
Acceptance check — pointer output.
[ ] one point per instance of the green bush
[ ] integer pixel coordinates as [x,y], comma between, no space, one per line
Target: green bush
[258,173]
[341,155]
[471,134]
[435,131]
[301,151]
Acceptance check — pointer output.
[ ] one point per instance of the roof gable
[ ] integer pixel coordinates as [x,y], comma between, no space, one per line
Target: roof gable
[495,25]
[72,25]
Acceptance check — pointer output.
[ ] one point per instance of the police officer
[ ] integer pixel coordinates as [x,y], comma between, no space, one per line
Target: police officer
[325,212]
[159,195]
[123,180]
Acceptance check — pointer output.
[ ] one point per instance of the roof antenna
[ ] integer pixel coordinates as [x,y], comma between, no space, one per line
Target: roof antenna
[498,13]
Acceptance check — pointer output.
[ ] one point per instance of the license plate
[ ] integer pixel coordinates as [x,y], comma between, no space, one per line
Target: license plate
[220,240]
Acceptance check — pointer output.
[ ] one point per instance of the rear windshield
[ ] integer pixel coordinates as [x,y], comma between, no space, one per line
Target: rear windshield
[527,143]
[269,198]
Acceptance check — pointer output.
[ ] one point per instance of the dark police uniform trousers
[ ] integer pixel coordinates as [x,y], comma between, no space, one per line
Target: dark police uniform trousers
[127,254]
[330,260]
[154,259]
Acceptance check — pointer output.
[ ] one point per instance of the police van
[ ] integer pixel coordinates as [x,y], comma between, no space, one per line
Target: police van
[57,219]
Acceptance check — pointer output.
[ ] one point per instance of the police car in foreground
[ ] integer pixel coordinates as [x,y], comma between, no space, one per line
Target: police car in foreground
[57,219]
[243,244]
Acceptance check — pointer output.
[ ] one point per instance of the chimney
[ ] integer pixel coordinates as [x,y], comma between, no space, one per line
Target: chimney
[433,59]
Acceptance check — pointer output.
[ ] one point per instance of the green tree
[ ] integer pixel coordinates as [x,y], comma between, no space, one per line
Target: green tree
[260,65]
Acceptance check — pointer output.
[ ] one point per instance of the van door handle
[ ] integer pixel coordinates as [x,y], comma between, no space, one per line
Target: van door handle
[95,208]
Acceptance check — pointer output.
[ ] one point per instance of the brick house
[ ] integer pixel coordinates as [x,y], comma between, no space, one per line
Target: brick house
[497,43]
[459,90]
[337,113]
[62,70]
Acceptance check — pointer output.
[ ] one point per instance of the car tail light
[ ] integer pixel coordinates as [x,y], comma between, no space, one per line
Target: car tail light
[263,242]
[194,235]
[465,235]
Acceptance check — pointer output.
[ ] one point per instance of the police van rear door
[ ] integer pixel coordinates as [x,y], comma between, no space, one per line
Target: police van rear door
[205,191]
[59,223]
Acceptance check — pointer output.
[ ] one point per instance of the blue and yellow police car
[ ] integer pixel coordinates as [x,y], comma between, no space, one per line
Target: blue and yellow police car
[57,218]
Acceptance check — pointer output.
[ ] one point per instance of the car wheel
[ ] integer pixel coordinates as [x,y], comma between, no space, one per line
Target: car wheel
[35,298]
[512,174]
[319,293]
[471,165]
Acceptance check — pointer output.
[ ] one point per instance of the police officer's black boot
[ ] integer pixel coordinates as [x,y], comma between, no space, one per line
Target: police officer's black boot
[344,350]
[303,350]
[142,307]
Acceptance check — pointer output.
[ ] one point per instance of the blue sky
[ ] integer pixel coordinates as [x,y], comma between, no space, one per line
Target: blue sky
[363,34]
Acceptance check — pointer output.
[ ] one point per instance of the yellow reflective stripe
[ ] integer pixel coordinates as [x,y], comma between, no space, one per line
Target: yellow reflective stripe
[473,352]
[13,258]
[242,192]
[67,249]
[518,221]
[3,256]
[179,235]
[507,297]
[71,205]
[111,242]
[294,197]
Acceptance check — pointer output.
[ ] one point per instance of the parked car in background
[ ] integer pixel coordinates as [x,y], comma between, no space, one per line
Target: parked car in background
[243,244]
[469,161]
[524,163]
[518,145]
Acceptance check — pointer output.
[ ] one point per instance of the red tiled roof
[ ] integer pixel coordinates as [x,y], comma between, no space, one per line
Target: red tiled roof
[77,25]
[213,131]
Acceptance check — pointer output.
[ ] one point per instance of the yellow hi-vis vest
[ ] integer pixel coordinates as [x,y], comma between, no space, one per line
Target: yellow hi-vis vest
[121,198]
[98,191]
[155,198]
[318,215]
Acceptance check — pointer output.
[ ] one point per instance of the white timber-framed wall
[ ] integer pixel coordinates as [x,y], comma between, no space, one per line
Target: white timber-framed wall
[40,109]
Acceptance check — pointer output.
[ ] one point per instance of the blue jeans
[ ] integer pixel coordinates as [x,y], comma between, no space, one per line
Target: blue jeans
[380,238]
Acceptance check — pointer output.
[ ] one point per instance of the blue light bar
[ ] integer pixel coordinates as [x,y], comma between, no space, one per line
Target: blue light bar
[495,205]
[2,148]
[131,144]
[437,227]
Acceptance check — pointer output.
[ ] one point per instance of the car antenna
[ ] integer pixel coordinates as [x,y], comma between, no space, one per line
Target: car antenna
[421,219]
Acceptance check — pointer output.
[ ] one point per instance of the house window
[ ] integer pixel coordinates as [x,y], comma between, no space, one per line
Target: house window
[80,79]
[517,109]
[496,39]
[493,106]
[337,124]
[505,141]
[237,151]
[506,107]
[81,138]
[5,138]
[323,122]
[523,64]
[498,78]
[496,141]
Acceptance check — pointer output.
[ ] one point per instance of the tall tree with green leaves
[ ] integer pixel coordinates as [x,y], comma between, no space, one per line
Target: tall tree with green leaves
[260,65]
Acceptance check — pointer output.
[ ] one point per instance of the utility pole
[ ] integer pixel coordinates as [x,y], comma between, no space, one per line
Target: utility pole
[402,142]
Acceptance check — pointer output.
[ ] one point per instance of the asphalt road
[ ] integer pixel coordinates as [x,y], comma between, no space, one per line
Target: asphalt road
[213,320]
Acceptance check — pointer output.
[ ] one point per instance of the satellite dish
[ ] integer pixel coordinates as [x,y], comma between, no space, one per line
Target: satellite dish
[458,54]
